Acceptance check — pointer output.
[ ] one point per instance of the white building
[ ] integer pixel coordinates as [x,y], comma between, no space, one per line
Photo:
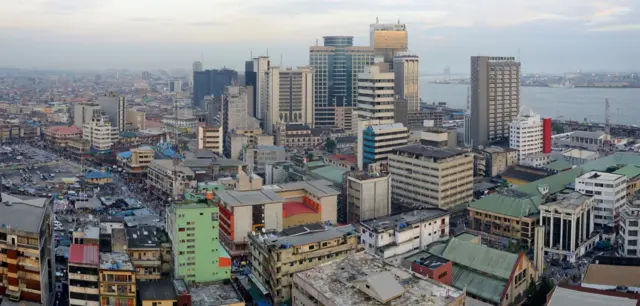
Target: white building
[368,196]
[609,192]
[395,235]
[290,96]
[578,157]
[261,67]
[210,138]
[100,132]
[629,227]
[569,226]
[525,134]
[407,80]
[83,112]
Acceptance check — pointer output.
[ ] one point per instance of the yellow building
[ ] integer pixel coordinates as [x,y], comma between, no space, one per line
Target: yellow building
[98,177]
[632,173]
[158,293]
[117,280]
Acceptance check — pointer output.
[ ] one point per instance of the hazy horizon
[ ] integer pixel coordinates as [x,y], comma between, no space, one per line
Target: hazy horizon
[549,36]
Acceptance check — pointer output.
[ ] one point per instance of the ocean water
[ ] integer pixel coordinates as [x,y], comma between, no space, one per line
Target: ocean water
[558,103]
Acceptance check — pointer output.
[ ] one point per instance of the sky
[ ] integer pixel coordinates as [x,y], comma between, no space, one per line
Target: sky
[548,35]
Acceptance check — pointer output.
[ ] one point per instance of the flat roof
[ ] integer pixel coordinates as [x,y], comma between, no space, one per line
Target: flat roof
[115,261]
[247,198]
[144,237]
[604,176]
[22,213]
[337,280]
[612,275]
[567,297]
[568,199]
[304,234]
[429,151]
[216,294]
[84,254]
[159,290]
[577,153]
[318,188]
[402,220]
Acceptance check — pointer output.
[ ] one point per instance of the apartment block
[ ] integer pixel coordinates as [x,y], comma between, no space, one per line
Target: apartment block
[395,235]
[368,196]
[100,132]
[290,96]
[609,191]
[629,228]
[193,229]
[377,142]
[497,160]
[115,108]
[136,162]
[495,97]
[210,138]
[525,134]
[117,280]
[160,178]
[83,112]
[26,249]
[149,248]
[406,70]
[431,177]
[569,226]
[276,255]
[273,207]
[83,267]
[363,279]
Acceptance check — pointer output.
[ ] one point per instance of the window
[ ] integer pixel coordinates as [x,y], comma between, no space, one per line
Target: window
[311,247]
[214,216]
[443,274]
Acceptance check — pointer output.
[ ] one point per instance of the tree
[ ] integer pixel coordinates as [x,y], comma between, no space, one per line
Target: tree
[537,295]
[557,128]
[330,145]
[310,156]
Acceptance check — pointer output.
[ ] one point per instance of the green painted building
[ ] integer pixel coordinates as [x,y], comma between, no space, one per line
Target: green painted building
[198,255]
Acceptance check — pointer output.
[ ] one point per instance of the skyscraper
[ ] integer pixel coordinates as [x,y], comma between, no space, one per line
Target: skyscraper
[83,112]
[388,39]
[261,66]
[115,108]
[407,80]
[335,75]
[250,80]
[211,82]
[495,97]
[175,86]
[197,66]
[290,96]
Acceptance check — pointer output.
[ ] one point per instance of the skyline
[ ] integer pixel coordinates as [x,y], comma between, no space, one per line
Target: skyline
[144,35]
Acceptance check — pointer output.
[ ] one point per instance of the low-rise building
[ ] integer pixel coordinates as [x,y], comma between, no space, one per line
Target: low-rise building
[632,173]
[579,157]
[368,195]
[276,256]
[569,228]
[135,162]
[432,177]
[98,177]
[117,280]
[259,157]
[347,162]
[272,207]
[59,136]
[395,235]
[149,248]
[210,138]
[439,137]
[497,159]
[538,160]
[612,273]
[364,280]
[161,181]
[158,293]
[84,262]
[215,294]
[299,136]
[519,175]
[589,140]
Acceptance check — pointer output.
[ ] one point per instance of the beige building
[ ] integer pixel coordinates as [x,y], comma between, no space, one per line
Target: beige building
[275,256]
[160,178]
[298,136]
[136,163]
[290,97]
[210,138]
[83,112]
[150,251]
[100,132]
[362,279]
[431,176]
[495,97]
[252,207]
[407,80]
[344,116]
[368,196]
[137,119]
[388,39]
[240,139]
[497,160]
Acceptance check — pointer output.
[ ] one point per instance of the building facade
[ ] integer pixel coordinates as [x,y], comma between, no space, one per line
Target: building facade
[211,82]
[368,196]
[388,40]
[290,97]
[406,69]
[100,132]
[115,108]
[276,256]
[609,192]
[83,112]
[83,266]
[431,177]
[117,280]
[335,67]
[629,228]
[525,134]
[495,97]
[210,138]
[167,180]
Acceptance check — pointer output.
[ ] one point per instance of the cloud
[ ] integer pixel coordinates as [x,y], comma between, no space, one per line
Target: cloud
[617,28]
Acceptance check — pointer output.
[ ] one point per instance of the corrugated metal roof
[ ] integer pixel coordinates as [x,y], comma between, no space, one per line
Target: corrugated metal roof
[630,171]
[508,204]
[331,173]
[85,254]
[480,258]
[477,284]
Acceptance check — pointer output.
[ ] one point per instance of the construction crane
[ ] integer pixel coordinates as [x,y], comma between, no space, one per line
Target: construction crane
[607,117]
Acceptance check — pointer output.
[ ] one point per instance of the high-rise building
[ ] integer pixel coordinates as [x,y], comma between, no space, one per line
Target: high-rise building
[210,138]
[609,193]
[175,86]
[335,75]
[115,108]
[368,196]
[211,82]
[100,132]
[197,66]
[377,132]
[388,40]
[83,112]
[525,134]
[260,68]
[250,79]
[495,97]
[407,80]
[290,97]
[198,255]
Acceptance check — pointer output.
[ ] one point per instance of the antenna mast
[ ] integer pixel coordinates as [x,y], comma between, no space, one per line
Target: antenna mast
[607,117]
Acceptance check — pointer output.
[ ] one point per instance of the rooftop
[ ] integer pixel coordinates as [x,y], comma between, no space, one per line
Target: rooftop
[84,254]
[612,275]
[22,213]
[347,158]
[558,165]
[63,129]
[329,172]
[577,153]
[601,176]
[587,134]
[509,202]
[402,221]
[318,188]
[630,171]
[247,198]
[159,290]
[567,297]
[364,175]
[295,208]
[143,237]
[568,199]
[303,235]
[527,174]
[339,280]
[115,261]
[431,152]
[216,294]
